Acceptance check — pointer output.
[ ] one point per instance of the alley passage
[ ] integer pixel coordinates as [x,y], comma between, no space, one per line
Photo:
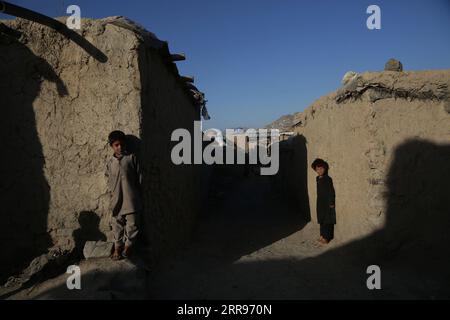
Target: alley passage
[249,243]
[240,237]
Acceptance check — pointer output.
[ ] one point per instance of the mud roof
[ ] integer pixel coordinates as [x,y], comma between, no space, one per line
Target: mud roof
[148,38]
[152,41]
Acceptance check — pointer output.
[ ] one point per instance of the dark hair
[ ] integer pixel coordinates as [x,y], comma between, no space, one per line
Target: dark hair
[116,135]
[320,163]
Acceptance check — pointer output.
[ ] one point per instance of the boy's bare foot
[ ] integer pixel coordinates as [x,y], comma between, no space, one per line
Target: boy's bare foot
[117,254]
[323,241]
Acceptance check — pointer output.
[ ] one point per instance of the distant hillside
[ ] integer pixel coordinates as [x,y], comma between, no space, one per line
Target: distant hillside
[284,123]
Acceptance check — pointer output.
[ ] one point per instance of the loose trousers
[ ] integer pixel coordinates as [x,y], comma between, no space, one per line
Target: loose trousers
[124,229]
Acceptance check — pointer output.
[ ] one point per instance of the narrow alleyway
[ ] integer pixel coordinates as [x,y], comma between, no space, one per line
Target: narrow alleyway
[249,225]
[249,243]
[253,244]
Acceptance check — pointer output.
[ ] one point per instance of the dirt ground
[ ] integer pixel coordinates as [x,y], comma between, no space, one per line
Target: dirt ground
[249,244]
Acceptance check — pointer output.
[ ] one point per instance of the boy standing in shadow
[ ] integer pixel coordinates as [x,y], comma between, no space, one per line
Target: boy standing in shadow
[124,185]
[326,212]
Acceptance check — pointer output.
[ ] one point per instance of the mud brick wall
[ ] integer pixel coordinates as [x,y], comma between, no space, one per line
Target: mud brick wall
[59,103]
[386,137]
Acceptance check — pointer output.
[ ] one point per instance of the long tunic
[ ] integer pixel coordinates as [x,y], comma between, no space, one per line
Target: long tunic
[325,198]
[124,184]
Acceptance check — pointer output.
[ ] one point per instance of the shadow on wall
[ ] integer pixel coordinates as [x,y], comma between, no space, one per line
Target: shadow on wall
[24,189]
[88,231]
[418,209]
[133,144]
[171,192]
[292,177]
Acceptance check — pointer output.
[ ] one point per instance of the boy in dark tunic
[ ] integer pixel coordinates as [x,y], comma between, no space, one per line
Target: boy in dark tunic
[326,212]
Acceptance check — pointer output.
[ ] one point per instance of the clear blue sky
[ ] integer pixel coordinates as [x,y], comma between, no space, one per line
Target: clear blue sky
[259,59]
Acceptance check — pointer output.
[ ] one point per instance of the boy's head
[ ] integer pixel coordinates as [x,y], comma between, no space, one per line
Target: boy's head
[320,166]
[116,140]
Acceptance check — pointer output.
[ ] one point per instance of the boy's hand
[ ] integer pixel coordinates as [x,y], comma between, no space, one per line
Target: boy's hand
[331,205]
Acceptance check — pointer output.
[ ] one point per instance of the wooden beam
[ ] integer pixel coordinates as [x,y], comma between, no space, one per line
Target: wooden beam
[178,57]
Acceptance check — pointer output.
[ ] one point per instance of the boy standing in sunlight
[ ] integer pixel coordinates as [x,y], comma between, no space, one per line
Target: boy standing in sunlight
[124,184]
[326,212]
